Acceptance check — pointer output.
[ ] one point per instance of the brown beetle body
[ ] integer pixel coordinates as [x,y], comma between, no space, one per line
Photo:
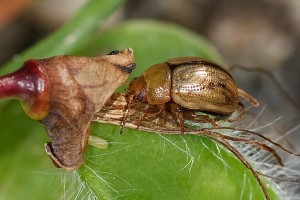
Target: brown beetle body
[191,82]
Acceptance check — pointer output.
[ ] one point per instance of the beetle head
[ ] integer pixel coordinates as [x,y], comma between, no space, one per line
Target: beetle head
[137,90]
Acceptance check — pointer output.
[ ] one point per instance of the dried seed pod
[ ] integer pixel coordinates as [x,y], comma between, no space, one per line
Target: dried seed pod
[64,92]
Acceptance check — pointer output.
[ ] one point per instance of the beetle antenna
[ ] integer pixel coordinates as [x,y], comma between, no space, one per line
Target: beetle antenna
[254,102]
[271,76]
[126,113]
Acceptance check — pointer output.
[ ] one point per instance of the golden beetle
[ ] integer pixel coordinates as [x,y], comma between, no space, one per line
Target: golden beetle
[190,82]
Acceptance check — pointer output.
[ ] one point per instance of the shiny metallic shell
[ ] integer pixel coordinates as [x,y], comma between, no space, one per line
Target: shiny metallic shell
[202,85]
[158,82]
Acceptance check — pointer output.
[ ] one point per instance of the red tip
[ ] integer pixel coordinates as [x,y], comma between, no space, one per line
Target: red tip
[29,84]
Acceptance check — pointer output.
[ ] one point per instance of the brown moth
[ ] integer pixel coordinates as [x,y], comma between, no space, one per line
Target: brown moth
[64,93]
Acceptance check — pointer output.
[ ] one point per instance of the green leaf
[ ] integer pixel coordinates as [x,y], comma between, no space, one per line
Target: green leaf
[141,165]
[26,170]
[136,165]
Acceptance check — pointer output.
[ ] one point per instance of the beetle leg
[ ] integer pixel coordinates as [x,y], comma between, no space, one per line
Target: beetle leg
[177,110]
[203,117]
[151,114]
[206,119]
[140,120]
[162,112]
[182,114]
